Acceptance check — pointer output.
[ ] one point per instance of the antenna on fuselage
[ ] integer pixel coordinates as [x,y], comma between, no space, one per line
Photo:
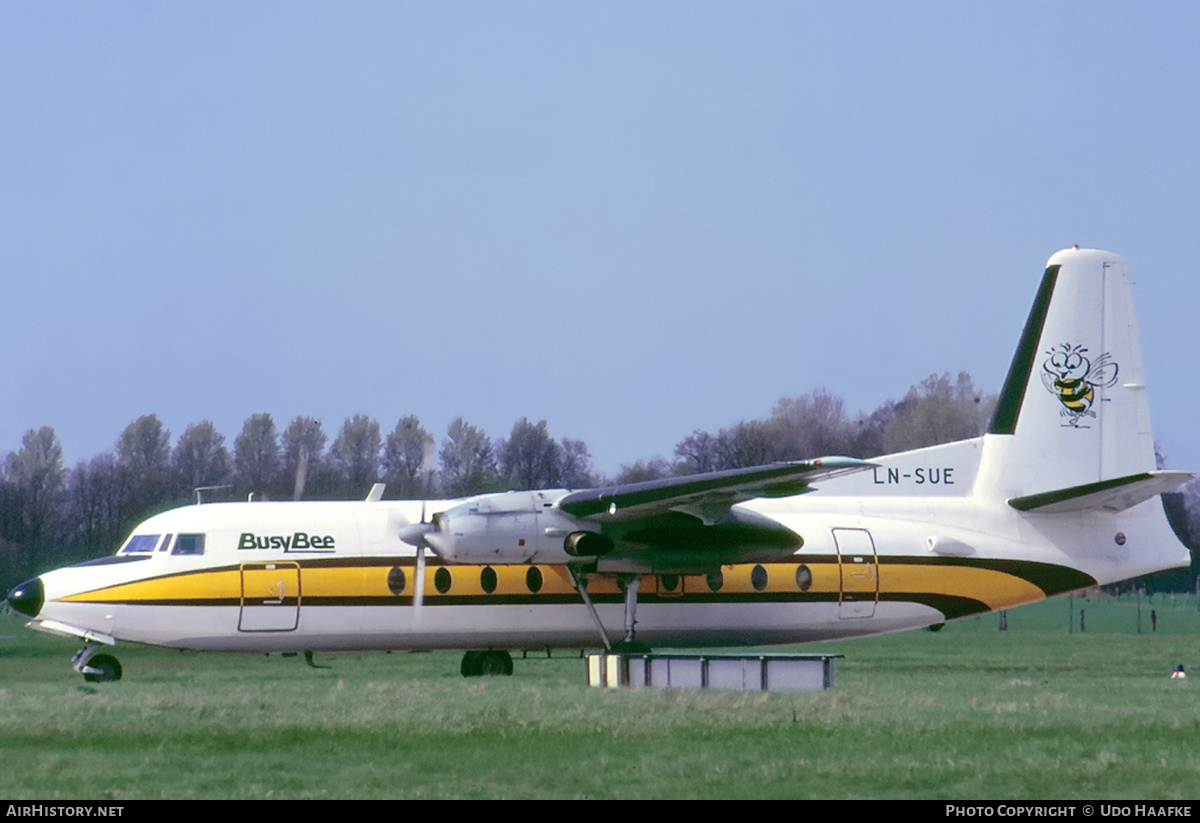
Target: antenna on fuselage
[199,490]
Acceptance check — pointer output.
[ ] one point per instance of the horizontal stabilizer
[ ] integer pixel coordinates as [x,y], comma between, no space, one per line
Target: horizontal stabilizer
[1114,495]
[720,489]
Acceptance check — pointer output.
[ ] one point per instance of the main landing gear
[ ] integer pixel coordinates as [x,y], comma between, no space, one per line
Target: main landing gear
[630,644]
[96,668]
[629,582]
[490,663]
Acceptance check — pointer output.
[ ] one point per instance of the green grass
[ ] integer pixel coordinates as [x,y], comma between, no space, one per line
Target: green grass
[968,712]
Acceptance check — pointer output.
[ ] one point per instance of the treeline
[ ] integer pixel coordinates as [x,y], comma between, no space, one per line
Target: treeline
[51,515]
[940,409]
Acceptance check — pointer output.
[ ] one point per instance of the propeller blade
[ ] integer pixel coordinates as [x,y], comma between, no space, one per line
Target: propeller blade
[301,477]
[427,469]
[419,590]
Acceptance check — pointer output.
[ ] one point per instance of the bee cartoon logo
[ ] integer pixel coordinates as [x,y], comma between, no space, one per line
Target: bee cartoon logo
[1072,377]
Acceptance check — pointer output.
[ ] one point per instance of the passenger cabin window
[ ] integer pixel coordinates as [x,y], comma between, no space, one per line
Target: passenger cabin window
[189,544]
[140,544]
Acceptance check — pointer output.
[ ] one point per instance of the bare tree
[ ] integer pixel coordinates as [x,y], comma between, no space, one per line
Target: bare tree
[303,450]
[575,471]
[699,452]
[200,457]
[468,466]
[938,410]
[408,460]
[654,469]
[256,455]
[144,464]
[144,447]
[355,453]
[745,444]
[529,458]
[869,431]
[36,474]
[809,426]
[98,505]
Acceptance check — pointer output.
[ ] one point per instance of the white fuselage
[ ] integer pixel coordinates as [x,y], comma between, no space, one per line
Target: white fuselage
[921,548]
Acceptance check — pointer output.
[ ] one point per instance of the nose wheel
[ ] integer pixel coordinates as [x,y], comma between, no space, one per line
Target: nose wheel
[96,668]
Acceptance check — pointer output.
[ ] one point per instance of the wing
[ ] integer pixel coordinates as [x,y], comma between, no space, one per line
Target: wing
[711,492]
[679,525]
[686,525]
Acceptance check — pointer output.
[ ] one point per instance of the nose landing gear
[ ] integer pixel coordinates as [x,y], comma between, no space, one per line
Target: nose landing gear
[96,668]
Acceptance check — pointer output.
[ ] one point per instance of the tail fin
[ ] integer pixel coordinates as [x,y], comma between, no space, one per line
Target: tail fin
[1072,416]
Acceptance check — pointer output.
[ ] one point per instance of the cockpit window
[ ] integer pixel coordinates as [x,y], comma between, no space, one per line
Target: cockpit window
[140,544]
[189,544]
[166,544]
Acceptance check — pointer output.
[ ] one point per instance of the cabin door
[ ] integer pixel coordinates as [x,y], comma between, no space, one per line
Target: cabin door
[270,597]
[859,570]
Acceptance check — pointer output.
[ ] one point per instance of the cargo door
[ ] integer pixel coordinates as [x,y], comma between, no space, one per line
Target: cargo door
[270,597]
[858,568]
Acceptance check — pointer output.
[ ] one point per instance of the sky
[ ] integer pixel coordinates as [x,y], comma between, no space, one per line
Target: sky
[632,220]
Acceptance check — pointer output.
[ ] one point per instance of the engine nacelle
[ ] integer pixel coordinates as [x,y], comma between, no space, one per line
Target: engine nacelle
[513,527]
[587,544]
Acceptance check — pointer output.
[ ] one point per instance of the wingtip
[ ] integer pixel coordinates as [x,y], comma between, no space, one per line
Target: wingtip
[840,462]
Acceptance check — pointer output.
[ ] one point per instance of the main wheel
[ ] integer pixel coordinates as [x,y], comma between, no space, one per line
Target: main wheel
[497,663]
[472,664]
[110,669]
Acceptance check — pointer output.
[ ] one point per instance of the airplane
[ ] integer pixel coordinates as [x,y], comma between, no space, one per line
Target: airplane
[1060,493]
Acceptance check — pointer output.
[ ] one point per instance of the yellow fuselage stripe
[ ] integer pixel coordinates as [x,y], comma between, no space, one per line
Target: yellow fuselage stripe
[996,589]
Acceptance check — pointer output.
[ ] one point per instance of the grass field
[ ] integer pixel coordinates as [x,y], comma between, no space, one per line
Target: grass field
[968,712]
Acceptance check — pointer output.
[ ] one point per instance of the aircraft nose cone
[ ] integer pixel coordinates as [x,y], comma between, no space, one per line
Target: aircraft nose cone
[28,597]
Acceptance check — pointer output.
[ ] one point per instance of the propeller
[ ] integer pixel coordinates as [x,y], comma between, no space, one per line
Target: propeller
[416,534]
[419,583]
